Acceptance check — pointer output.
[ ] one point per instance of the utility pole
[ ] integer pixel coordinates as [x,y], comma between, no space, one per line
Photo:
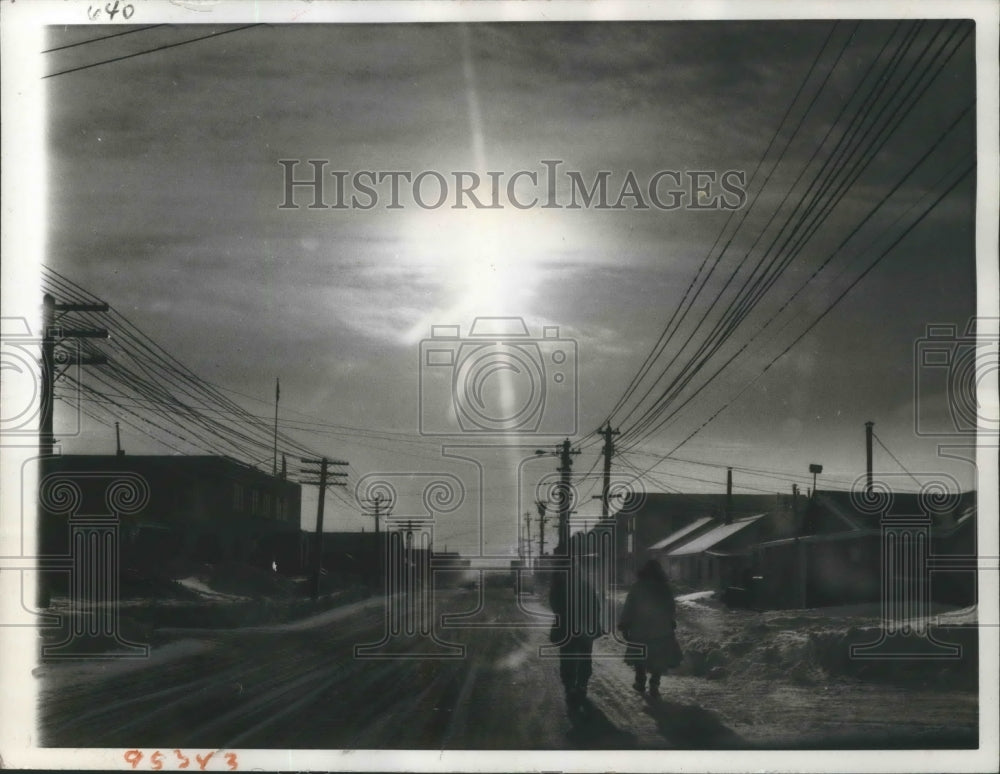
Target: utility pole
[379,546]
[609,450]
[527,521]
[729,496]
[408,551]
[119,451]
[323,473]
[50,337]
[277,396]
[541,527]
[869,432]
[565,471]
[377,502]
[318,540]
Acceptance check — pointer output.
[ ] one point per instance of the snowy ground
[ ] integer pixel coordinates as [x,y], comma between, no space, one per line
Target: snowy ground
[779,679]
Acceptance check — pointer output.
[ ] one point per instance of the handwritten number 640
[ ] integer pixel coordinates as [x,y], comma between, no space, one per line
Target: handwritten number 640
[111,9]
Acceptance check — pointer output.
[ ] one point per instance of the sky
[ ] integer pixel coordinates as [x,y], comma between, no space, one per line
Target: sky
[164,194]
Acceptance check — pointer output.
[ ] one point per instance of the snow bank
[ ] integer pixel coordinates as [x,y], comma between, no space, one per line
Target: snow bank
[202,589]
[814,646]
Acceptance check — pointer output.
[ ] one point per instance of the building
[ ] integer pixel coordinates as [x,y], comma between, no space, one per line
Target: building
[647,521]
[189,509]
[360,559]
[349,558]
[715,555]
[838,556]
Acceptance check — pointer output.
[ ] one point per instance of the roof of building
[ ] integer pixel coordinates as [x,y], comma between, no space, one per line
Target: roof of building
[680,534]
[714,536]
[844,506]
[697,504]
[182,465]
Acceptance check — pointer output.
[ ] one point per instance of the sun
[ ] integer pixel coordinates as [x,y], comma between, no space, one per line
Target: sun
[484,262]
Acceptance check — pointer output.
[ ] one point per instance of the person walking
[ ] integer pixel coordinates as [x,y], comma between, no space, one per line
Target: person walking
[578,609]
[648,622]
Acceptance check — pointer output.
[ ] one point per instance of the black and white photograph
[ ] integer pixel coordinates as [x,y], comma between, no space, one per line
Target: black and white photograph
[500,386]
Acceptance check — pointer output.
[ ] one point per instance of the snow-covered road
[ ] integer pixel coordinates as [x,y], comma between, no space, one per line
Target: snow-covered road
[749,680]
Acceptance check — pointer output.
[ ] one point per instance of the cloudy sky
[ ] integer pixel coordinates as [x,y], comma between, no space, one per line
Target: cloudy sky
[165,186]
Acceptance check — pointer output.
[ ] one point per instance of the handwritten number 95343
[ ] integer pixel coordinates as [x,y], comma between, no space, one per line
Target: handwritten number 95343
[110,11]
[178,760]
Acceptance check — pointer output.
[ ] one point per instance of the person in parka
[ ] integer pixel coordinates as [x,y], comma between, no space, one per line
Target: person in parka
[577,606]
[648,622]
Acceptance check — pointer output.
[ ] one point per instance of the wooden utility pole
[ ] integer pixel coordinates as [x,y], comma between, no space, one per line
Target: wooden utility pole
[565,501]
[541,527]
[323,474]
[869,431]
[377,501]
[277,396]
[729,496]
[609,450]
[318,540]
[527,522]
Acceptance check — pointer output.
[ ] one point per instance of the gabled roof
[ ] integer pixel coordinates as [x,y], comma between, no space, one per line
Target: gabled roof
[700,504]
[714,536]
[681,534]
[841,505]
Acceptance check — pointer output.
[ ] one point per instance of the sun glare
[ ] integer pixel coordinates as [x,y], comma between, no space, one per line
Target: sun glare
[485,262]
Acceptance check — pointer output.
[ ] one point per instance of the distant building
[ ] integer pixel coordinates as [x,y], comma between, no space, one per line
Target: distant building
[350,558]
[359,558]
[199,509]
[837,557]
[642,525]
[715,555]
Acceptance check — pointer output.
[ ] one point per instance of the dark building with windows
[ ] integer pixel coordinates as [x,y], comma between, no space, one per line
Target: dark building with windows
[189,508]
[643,524]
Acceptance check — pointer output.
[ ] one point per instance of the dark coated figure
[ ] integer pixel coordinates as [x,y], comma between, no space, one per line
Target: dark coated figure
[573,599]
[648,622]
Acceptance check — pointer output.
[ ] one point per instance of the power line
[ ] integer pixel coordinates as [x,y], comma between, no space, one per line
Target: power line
[732,276]
[648,427]
[666,336]
[886,448]
[787,303]
[761,472]
[159,373]
[150,51]
[696,478]
[831,306]
[735,314]
[103,37]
